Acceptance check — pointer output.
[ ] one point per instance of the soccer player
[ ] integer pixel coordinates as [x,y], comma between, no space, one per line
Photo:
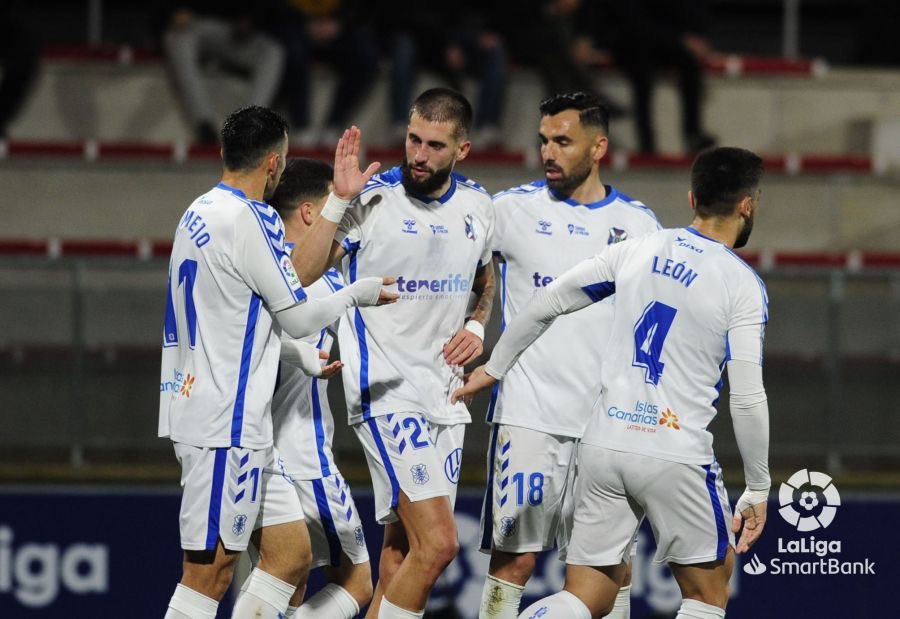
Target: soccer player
[541,408]
[431,226]
[304,428]
[686,306]
[230,280]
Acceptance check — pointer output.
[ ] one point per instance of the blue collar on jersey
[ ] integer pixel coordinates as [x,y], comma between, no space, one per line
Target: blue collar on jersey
[611,194]
[233,190]
[702,236]
[444,198]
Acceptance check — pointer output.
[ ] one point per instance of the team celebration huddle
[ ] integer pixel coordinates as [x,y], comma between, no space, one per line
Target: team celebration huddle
[615,335]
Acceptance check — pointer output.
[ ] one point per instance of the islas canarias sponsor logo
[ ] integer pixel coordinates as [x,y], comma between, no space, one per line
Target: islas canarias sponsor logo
[645,417]
[181,384]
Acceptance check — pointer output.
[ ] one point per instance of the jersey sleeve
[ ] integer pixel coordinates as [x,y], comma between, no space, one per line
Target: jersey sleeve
[489,234]
[747,322]
[262,259]
[349,232]
[590,281]
[501,215]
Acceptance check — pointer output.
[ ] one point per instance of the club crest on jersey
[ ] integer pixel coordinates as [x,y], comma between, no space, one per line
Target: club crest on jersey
[287,269]
[470,226]
[419,474]
[240,524]
[616,235]
[578,230]
[409,226]
[544,227]
[508,526]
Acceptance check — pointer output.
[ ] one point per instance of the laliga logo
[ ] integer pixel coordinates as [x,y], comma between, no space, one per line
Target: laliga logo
[808,500]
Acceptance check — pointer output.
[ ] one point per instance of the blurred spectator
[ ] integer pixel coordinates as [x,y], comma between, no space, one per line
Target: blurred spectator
[19,61]
[645,36]
[207,32]
[336,32]
[453,40]
[564,56]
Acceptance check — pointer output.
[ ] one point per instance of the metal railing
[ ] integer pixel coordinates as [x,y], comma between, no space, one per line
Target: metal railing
[79,359]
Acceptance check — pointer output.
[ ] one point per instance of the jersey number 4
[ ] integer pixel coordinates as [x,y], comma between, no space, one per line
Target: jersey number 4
[187,273]
[649,336]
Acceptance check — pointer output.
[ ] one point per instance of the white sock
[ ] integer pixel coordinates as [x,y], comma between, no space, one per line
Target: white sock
[562,605]
[189,604]
[332,601]
[389,611]
[291,610]
[622,607]
[499,599]
[262,597]
[695,609]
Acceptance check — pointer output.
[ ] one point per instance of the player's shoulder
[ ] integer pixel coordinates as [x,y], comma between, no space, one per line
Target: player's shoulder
[389,179]
[468,186]
[635,205]
[527,191]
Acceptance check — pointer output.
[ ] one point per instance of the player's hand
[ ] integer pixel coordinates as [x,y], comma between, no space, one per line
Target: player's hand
[348,179]
[463,348]
[753,519]
[386,297]
[329,370]
[370,291]
[475,382]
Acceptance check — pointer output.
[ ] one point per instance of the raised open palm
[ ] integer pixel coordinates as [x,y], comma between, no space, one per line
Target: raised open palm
[349,180]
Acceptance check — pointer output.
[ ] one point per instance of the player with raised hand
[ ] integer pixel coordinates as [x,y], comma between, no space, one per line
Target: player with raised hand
[686,306]
[230,280]
[304,426]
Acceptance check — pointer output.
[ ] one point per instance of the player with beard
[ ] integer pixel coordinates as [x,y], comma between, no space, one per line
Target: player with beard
[686,306]
[431,227]
[539,412]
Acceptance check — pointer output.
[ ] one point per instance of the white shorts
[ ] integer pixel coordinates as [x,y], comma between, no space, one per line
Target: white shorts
[227,495]
[686,505]
[528,497]
[332,520]
[406,452]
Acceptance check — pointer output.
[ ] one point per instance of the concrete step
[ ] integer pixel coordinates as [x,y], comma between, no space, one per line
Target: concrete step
[72,198]
[813,111]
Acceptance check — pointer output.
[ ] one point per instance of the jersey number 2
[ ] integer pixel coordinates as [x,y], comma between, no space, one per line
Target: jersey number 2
[649,336]
[187,273]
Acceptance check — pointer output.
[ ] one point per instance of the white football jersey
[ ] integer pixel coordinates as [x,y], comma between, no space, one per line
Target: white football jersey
[393,359]
[538,236]
[685,305]
[229,272]
[304,424]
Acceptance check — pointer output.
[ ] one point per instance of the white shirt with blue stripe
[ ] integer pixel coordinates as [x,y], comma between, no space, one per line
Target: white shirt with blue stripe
[393,359]
[304,424]
[685,305]
[228,274]
[538,236]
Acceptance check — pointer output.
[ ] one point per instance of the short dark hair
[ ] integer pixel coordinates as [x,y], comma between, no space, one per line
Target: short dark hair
[445,105]
[722,177]
[248,134]
[591,110]
[303,179]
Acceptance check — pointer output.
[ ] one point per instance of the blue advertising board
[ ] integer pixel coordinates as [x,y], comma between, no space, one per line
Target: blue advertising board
[91,553]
